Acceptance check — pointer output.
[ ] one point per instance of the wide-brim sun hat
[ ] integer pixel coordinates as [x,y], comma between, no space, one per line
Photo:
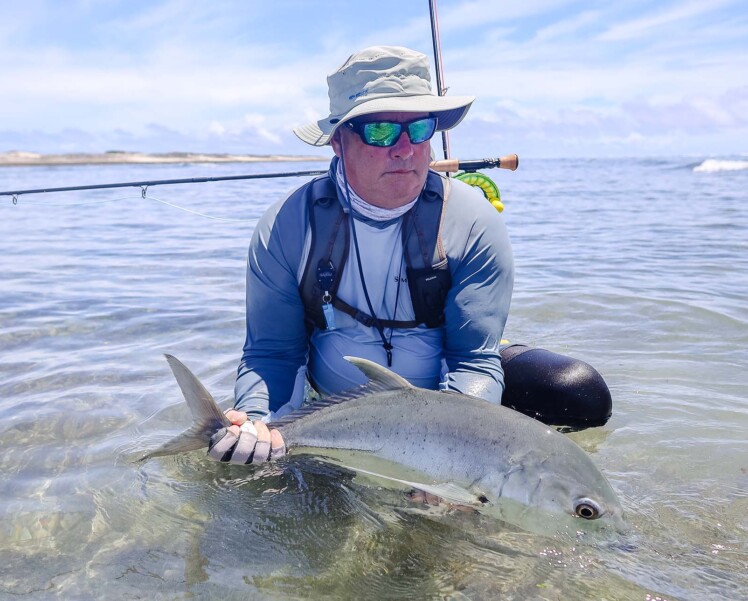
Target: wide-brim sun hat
[383,79]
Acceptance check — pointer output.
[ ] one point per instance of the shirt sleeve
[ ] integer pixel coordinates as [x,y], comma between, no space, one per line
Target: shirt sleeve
[477,305]
[276,346]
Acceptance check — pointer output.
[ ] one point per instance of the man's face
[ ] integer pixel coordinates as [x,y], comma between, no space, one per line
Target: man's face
[385,177]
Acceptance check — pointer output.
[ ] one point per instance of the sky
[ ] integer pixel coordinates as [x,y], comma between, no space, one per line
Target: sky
[552,78]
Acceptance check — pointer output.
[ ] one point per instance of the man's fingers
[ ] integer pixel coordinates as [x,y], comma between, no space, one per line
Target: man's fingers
[262,448]
[236,417]
[420,496]
[277,445]
[246,445]
[432,499]
[252,442]
[221,444]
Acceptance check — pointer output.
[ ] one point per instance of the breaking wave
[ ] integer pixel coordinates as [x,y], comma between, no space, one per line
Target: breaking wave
[716,165]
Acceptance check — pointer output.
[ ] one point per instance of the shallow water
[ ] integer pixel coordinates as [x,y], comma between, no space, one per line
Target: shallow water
[639,267]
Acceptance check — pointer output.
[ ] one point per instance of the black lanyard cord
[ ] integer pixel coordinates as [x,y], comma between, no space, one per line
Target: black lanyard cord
[386,343]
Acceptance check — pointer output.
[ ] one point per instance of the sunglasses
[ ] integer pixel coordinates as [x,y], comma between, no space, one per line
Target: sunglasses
[387,133]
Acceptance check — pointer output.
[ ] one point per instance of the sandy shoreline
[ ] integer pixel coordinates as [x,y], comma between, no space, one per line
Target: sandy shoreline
[19,158]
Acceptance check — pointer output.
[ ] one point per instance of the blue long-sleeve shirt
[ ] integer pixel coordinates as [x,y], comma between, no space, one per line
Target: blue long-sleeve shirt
[461,355]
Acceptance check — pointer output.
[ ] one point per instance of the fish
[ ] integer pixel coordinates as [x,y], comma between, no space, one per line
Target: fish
[465,450]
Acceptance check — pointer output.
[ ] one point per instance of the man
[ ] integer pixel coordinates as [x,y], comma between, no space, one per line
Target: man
[380,259]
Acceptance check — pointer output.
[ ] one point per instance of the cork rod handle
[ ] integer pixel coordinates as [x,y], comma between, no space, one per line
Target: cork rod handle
[510,161]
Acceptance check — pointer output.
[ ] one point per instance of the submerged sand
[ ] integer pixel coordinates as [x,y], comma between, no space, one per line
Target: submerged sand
[19,158]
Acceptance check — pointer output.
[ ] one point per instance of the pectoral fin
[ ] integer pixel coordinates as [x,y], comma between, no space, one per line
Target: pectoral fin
[450,492]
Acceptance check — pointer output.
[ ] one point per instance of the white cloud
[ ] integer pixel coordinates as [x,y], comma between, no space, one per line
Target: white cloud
[652,24]
[240,75]
[216,129]
[256,125]
[569,26]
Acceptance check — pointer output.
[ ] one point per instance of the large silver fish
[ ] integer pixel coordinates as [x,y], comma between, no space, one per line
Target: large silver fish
[458,447]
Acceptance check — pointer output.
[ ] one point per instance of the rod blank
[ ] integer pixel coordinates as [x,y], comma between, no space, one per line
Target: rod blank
[510,161]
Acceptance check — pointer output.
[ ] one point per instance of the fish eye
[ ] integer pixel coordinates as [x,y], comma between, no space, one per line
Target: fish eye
[587,509]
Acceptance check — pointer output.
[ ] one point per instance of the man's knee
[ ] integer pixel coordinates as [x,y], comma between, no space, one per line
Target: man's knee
[553,388]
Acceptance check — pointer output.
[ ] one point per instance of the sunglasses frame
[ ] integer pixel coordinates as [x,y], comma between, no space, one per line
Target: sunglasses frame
[358,128]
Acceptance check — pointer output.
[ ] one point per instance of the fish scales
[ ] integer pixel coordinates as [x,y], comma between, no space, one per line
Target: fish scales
[418,428]
[451,437]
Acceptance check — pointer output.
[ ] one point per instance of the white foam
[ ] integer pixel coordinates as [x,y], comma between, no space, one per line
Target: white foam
[715,165]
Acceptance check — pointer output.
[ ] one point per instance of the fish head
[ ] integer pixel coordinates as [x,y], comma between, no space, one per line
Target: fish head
[556,492]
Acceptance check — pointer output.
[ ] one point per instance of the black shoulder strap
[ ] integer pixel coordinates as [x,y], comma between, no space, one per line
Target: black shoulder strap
[427,268]
[422,227]
[329,245]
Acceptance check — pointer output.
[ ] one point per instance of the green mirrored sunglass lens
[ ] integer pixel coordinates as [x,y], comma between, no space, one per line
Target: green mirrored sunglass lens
[381,134]
[420,131]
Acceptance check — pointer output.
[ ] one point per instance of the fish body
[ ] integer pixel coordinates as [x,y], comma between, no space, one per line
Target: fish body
[461,448]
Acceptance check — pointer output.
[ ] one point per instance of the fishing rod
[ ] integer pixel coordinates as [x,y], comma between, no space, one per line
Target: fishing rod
[510,161]
[438,68]
[468,169]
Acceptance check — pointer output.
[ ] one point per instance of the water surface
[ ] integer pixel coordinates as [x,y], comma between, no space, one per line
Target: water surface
[639,267]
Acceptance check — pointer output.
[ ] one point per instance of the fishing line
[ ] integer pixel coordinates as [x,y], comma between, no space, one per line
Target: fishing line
[193,212]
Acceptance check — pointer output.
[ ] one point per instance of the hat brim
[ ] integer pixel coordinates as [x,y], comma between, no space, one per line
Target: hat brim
[449,111]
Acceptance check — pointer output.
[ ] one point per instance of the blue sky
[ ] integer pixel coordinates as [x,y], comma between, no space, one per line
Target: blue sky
[552,77]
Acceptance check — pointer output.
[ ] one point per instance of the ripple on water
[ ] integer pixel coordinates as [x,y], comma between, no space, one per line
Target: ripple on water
[626,277]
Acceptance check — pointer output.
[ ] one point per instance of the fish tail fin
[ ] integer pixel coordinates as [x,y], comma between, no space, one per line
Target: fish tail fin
[206,414]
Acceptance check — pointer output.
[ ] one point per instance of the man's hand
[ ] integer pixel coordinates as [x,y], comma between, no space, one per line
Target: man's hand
[245,441]
[432,500]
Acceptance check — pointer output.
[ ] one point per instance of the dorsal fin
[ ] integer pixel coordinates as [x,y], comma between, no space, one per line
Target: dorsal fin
[381,379]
